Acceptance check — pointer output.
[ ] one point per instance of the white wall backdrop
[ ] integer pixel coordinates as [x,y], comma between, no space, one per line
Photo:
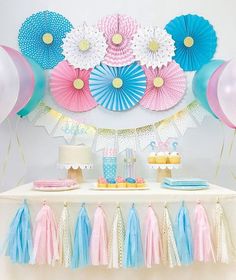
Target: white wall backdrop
[200,147]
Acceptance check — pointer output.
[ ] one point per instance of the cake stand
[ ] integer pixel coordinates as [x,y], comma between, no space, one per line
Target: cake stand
[164,170]
[75,171]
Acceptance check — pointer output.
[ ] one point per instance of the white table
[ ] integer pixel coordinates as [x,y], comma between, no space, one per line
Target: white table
[10,200]
[87,194]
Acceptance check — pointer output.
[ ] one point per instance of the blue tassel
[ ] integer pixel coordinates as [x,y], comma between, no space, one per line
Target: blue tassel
[19,241]
[81,257]
[183,236]
[133,251]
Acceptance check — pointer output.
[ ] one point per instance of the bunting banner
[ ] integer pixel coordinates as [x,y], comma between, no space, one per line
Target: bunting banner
[126,139]
[75,132]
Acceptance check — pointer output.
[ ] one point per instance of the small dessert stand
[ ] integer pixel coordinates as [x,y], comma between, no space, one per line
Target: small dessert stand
[164,170]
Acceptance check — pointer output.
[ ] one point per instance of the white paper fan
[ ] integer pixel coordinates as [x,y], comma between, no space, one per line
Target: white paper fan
[153,47]
[84,47]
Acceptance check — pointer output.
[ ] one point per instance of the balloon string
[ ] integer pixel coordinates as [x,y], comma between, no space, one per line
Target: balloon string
[221,155]
[6,159]
[230,153]
[13,131]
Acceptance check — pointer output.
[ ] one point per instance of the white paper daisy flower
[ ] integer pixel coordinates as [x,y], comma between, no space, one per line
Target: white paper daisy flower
[84,47]
[153,47]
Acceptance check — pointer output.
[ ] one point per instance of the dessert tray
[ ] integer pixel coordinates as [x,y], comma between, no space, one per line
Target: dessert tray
[96,188]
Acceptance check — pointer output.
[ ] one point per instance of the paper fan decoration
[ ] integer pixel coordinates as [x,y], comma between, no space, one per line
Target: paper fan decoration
[119,31]
[195,41]
[84,47]
[153,47]
[40,38]
[70,88]
[117,88]
[165,87]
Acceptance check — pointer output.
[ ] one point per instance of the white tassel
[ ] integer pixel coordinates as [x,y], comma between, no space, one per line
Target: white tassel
[116,246]
[170,251]
[225,249]
[65,241]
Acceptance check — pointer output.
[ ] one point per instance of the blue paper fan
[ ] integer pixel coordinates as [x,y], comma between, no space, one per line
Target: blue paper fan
[195,41]
[117,88]
[40,37]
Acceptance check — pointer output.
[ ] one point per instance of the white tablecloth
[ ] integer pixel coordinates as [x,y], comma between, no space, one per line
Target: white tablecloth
[10,200]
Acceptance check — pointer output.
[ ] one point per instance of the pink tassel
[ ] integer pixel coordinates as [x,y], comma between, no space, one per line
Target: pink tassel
[45,237]
[152,241]
[203,249]
[99,239]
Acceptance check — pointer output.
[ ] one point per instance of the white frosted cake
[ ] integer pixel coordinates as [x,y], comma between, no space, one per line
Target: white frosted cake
[73,155]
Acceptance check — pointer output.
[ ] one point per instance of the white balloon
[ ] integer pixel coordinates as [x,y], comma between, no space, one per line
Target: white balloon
[9,85]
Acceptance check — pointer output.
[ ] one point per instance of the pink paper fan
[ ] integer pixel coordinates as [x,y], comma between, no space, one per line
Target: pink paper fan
[70,88]
[119,31]
[165,87]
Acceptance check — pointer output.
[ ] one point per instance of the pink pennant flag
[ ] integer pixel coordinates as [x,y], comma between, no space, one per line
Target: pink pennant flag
[152,240]
[203,248]
[45,249]
[99,239]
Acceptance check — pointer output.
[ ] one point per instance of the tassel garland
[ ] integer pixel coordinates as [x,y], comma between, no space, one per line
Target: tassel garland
[116,245]
[133,251]
[225,249]
[183,236]
[175,246]
[65,243]
[152,240]
[170,253]
[45,249]
[203,248]
[19,241]
[81,256]
[99,239]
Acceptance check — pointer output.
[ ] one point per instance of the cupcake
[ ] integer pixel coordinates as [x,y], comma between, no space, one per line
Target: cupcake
[140,182]
[111,183]
[130,183]
[174,158]
[161,158]
[120,182]
[152,158]
[102,182]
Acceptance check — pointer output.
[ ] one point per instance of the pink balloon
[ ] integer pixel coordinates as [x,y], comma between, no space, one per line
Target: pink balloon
[226,92]
[26,78]
[212,96]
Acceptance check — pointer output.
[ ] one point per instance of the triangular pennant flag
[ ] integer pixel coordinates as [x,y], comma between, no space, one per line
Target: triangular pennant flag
[152,239]
[133,251]
[19,241]
[82,235]
[183,236]
[116,246]
[65,242]
[99,239]
[170,253]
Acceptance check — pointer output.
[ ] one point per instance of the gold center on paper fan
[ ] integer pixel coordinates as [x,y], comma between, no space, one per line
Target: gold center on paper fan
[78,84]
[153,45]
[117,39]
[158,82]
[47,38]
[84,45]
[188,42]
[117,83]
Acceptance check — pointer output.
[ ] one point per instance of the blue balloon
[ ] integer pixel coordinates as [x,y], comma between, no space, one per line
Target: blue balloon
[201,80]
[39,88]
